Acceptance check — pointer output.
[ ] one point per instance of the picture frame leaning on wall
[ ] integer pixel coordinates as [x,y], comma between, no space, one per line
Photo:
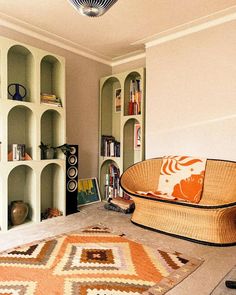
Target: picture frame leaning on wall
[117,100]
[88,191]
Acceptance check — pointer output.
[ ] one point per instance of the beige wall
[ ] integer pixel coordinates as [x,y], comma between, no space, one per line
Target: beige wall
[191,95]
[82,99]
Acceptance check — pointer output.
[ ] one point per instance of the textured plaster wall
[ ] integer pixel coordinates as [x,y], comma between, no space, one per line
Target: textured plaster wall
[191,95]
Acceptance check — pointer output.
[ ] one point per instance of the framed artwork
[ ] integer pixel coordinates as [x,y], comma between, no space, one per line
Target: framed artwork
[88,191]
[137,136]
[117,100]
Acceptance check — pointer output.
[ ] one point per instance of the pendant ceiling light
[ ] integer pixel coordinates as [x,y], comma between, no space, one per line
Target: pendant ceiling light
[93,7]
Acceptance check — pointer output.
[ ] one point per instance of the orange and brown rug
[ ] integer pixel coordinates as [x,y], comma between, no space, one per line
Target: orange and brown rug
[92,262]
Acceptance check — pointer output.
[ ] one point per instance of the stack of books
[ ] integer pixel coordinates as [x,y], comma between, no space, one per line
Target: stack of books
[51,99]
[120,204]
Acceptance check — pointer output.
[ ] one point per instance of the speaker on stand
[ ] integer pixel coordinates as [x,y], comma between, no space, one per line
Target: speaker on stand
[72,164]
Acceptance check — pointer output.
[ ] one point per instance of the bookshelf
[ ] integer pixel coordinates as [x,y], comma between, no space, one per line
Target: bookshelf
[121,131]
[28,121]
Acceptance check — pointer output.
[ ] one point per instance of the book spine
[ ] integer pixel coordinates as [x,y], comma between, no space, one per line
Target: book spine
[14,152]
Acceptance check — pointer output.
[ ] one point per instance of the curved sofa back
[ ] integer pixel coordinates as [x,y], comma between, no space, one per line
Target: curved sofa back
[219,183]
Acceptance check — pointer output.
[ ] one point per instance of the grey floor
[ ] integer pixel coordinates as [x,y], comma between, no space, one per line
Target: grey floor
[217,261]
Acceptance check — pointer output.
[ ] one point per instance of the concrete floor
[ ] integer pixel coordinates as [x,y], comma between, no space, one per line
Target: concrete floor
[217,261]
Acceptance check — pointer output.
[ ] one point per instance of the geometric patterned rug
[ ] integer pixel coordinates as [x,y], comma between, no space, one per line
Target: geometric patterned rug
[92,262]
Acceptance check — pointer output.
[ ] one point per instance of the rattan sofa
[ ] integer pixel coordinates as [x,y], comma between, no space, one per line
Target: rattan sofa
[212,221]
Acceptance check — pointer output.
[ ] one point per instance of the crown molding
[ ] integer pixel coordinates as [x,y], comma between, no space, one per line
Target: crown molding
[128,58]
[53,39]
[198,25]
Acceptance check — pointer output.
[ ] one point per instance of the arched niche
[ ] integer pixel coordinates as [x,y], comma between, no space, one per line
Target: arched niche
[20,69]
[21,128]
[52,188]
[110,118]
[21,185]
[109,174]
[51,76]
[132,143]
[52,130]
[132,85]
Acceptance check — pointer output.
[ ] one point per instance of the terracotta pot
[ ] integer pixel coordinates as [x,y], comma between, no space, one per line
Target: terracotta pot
[19,212]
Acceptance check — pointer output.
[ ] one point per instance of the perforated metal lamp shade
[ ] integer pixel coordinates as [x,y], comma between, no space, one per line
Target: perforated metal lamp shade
[93,7]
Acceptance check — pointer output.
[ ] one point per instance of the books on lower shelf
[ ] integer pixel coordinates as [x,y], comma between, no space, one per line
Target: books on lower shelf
[109,146]
[112,182]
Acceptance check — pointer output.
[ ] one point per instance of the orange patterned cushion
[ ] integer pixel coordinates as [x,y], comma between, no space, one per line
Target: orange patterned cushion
[182,177]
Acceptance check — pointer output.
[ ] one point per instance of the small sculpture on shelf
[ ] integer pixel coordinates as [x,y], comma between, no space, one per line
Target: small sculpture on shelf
[50,213]
[17,92]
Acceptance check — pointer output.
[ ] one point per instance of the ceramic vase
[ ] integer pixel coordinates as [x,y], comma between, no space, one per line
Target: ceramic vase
[19,212]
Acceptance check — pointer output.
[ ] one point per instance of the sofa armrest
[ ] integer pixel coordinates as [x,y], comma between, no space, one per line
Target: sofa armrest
[142,176]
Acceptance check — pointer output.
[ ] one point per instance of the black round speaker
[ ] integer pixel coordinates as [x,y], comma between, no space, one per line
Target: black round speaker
[72,172]
[72,185]
[72,162]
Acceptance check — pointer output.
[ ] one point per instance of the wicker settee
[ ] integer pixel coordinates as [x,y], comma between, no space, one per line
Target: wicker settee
[212,221]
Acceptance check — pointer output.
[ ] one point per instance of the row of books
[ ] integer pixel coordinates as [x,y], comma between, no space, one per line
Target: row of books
[109,146]
[134,106]
[112,182]
[51,99]
[18,152]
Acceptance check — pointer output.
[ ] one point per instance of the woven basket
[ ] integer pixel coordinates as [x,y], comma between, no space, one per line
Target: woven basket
[211,221]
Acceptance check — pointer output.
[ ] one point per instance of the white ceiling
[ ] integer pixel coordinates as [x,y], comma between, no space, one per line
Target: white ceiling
[114,35]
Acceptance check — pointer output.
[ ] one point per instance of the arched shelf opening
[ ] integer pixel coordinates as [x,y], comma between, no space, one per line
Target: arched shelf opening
[21,130]
[110,113]
[20,69]
[109,180]
[132,143]
[52,190]
[132,94]
[21,185]
[51,77]
[52,133]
